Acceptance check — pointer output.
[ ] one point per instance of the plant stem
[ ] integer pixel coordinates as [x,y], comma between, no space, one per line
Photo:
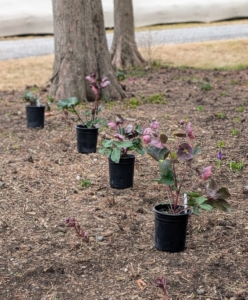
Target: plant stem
[181,184]
[79,118]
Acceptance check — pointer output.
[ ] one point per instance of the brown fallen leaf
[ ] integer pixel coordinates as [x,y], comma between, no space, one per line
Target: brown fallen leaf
[141,284]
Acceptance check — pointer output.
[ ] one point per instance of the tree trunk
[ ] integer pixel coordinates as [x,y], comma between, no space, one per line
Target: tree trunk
[81,49]
[124,50]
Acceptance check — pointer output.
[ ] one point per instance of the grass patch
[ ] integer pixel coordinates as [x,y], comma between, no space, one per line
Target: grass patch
[221,55]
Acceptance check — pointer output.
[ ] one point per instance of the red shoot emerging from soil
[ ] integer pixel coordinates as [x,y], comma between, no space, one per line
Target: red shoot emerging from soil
[71,222]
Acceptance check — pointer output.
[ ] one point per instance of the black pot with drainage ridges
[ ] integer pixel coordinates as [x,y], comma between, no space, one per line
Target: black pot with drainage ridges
[121,174]
[86,139]
[170,229]
[35,116]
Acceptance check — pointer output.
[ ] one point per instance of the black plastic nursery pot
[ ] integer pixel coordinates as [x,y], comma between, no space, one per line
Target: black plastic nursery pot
[86,139]
[121,174]
[170,229]
[35,116]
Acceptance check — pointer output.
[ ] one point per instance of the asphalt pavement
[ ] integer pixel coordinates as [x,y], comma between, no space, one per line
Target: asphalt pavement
[12,49]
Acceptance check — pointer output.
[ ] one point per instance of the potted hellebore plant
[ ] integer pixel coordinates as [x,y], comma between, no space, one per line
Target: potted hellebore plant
[35,112]
[87,131]
[121,163]
[175,167]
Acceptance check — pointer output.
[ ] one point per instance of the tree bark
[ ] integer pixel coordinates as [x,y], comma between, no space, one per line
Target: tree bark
[124,51]
[81,49]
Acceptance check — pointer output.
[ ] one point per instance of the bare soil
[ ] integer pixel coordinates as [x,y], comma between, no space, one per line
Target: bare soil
[41,258]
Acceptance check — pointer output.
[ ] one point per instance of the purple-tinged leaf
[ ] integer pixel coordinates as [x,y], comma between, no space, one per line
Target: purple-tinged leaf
[156,153]
[105,82]
[129,129]
[163,138]
[222,193]
[91,78]
[180,134]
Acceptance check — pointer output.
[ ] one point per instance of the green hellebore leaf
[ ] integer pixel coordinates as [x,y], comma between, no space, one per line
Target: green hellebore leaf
[220,204]
[116,155]
[200,200]
[196,151]
[168,179]
[193,194]
[222,193]
[124,144]
[107,143]
[167,174]
[156,153]
[196,210]
[206,206]
[67,103]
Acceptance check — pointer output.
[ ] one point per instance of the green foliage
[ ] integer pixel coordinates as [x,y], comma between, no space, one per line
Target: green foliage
[132,103]
[85,183]
[234,131]
[156,63]
[236,166]
[126,139]
[240,109]
[206,86]
[31,99]
[235,82]
[236,120]
[120,75]
[220,115]
[223,94]
[156,99]
[220,144]
[91,116]
[200,108]
[218,163]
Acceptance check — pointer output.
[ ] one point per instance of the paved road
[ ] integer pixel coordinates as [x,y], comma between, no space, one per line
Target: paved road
[43,46]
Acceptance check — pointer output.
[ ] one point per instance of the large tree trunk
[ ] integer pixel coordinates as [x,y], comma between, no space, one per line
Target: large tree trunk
[124,50]
[80,49]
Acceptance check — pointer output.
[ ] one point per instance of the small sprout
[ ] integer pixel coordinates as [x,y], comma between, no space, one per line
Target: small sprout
[156,99]
[206,86]
[220,115]
[240,109]
[161,283]
[235,82]
[221,144]
[85,183]
[218,163]
[223,94]
[71,222]
[234,131]
[236,120]
[236,166]
[200,108]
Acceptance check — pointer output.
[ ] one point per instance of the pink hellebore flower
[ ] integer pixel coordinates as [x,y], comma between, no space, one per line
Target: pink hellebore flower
[154,125]
[147,139]
[206,173]
[147,131]
[157,143]
[105,82]
[112,125]
[91,78]
[120,137]
[189,131]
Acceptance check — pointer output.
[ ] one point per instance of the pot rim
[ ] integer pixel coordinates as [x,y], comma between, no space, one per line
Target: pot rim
[81,126]
[159,212]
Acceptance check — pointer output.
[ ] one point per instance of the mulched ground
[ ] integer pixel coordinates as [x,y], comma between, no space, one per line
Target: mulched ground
[42,173]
